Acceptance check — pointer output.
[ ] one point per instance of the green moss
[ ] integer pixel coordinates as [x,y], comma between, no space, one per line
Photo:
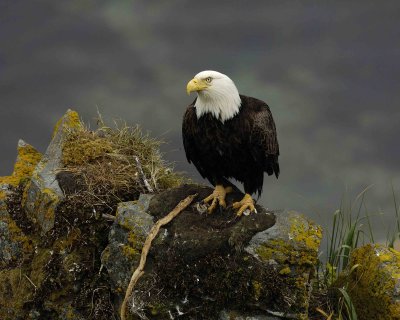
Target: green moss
[285,270]
[84,146]
[16,235]
[15,291]
[114,162]
[373,284]
[38,265]
[257,286]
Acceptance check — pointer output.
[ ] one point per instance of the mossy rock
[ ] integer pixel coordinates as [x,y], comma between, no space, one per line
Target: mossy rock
[291,248]
[27,159]
[126,239]
[201,264]
[43,193]
[14,244]
[374,282]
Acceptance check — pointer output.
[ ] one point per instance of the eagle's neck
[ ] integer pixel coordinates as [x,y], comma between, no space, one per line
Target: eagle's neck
[223,104]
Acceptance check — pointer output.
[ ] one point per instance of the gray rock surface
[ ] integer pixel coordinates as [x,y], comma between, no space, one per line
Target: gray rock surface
[291,248]
[44,193]
[10,247]
[126,238]
[203,264]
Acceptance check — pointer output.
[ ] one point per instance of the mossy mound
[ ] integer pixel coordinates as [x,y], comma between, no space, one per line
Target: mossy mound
[110,165]
[374,282]
[53,231]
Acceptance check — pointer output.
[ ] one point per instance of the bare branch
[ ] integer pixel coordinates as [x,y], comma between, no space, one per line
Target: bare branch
[147,245]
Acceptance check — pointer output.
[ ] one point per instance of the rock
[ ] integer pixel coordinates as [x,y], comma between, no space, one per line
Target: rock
[374,286]
[27,159]
[13,242]
[291,248]
[126,238]
[229,315]
[61,259]
[43,192]
[201,265]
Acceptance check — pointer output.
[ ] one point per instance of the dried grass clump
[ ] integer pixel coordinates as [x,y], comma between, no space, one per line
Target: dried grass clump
[113,164]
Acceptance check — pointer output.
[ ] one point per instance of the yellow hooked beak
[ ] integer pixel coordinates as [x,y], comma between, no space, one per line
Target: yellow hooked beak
[196,85]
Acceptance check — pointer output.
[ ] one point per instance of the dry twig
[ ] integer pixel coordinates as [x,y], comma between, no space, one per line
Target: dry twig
[142,175]
[147,245]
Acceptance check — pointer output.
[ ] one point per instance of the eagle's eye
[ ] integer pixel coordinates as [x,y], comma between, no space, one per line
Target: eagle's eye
[208,79]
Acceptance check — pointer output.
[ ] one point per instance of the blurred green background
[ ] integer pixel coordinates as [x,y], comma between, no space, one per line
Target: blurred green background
[329,70]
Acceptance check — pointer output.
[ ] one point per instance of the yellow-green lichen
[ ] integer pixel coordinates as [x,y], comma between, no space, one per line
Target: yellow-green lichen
[16,235]
[27,159]
[70,121]
[373,285]
[135,242]
[285,270]
[307,233]
[294,254]
[49,198]
[257,286]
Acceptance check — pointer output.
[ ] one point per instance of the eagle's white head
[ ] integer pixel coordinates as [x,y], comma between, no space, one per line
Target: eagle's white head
[217,94]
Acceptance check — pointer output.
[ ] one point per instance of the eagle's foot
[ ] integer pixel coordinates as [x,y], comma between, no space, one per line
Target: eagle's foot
[245,206]
[217,197]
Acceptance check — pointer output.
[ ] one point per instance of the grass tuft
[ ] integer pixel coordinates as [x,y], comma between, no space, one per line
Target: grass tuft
[111,164]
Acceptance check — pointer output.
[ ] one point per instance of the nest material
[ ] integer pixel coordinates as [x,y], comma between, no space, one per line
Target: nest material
[111,164]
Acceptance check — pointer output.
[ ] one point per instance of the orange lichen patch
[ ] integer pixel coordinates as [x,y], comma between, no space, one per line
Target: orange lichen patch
[373,285]
[27,159]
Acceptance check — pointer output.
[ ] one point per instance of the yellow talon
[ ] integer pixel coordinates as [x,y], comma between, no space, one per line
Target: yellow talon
[246,203]
[217,197]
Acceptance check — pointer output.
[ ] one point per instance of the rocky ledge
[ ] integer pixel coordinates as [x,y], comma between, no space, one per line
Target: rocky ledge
[68,256]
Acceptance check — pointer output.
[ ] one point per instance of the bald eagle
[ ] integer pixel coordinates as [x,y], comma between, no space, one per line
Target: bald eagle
[227,135]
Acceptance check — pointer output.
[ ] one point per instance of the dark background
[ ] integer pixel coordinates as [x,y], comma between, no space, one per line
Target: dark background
[329,71]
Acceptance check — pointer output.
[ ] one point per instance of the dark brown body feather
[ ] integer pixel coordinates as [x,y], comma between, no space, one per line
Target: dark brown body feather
[242,148]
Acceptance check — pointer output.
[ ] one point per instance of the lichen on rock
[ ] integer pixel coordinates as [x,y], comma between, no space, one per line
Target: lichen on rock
[43,193]
[14,244]
[27,159]
[374,282]
[290,247]
[64,256]
[126,239]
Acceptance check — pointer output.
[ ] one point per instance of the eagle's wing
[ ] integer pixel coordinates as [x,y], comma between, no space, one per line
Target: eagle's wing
[263,140]
[189,135]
